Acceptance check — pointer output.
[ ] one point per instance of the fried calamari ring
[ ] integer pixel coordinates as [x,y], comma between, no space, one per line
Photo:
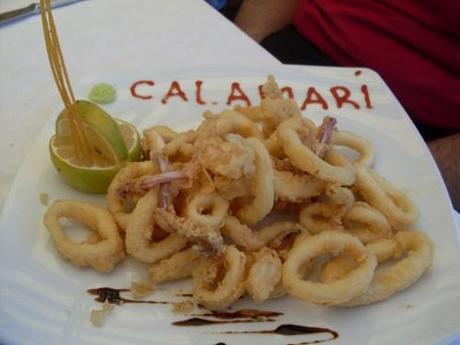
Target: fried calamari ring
[352,285]
[255,114]
[356,143]
[318,217]
[235,188]
[273,145]
[230,157]
[167,133]
[295,187]
[178,266]
[338,195]
[230,121]
[182,143]
[366,223]
[215,293]
[304,158]
[101,255]
[208,209]
[404,273]
[241,234]
[115,202]
[205,238]
[139,233]
[339,266]
[153,144]
[278,230]
[264,274]
[262,186]
[400,211]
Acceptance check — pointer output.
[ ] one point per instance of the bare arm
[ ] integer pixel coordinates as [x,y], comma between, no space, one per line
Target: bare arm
[446,152]
[260,18]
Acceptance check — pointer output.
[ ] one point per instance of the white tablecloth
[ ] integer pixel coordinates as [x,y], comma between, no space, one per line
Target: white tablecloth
[100,37]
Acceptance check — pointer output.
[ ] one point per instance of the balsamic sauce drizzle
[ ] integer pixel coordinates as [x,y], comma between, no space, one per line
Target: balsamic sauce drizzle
[289,330]
[112,295]
[242,313]
[197,321]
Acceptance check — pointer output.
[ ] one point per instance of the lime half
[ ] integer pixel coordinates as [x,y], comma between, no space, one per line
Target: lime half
[132,140]
[91,179]
[114,142]
[105,135]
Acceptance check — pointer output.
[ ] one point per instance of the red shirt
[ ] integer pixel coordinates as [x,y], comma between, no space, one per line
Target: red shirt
[413,44]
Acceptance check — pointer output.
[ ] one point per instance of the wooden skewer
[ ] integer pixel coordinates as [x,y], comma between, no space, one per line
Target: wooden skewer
[83,149]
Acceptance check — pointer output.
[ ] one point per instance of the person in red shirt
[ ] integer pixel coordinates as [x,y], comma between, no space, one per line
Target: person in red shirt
[413,44]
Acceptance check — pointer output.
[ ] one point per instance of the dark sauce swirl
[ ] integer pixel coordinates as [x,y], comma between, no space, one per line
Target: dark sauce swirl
[111,295]
[290,330]
[198,321]
[242,313]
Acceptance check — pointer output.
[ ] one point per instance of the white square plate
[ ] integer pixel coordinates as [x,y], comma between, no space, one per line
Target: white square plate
[43,299]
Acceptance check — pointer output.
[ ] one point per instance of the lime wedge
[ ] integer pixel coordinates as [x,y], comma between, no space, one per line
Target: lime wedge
[107,139]
[132,140]
[90,179]
[114,141]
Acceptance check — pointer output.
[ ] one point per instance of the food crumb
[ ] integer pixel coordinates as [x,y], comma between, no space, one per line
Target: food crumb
[98,315]
[182,307]
[43,199]
[141,289]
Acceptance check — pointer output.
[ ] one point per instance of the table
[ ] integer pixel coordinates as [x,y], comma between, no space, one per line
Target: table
[28,94]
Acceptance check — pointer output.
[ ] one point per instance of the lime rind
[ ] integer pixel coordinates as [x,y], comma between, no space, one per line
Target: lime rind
[86,179]
[135,150]
[103,124]
[114,140]
[101,146]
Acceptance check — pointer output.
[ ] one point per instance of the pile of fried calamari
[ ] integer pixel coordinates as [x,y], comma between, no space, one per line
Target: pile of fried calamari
[256,200]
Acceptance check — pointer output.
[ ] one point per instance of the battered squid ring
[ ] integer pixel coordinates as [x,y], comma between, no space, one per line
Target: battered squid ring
[305,159]
[139,233]
[276,230]
[339,266]
[264,275]
[255,114]
[262,186]
[217,205]
[182,143]
[241,234]
[178,266]
[155,139]
[215,294]
[400,211]
[402,274]
[167,133]
[273,145]
[102,255]
[339,195]
[343,290]
[115,203]
[318,217]
[296,188]
[358,144]
[230,121]
[366,223]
